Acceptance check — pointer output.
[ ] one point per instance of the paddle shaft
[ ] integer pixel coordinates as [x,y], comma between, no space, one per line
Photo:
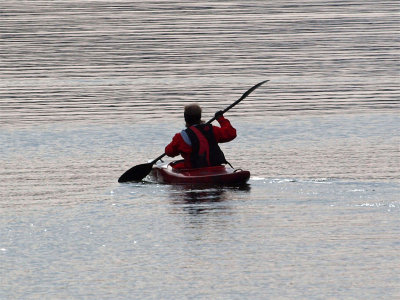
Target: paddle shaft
[238,100]
[157,159]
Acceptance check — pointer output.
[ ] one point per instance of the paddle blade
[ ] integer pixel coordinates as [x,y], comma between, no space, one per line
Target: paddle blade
[136,173]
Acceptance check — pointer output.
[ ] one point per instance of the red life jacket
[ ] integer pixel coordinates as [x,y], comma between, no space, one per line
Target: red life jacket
[205,149]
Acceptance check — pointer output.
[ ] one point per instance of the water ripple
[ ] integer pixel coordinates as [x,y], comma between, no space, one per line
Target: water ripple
[105,61]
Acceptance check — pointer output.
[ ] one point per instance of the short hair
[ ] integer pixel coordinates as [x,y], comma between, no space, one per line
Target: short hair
[192,114]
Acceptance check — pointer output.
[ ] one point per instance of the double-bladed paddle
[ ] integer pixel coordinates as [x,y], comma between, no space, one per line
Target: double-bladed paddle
[137,173]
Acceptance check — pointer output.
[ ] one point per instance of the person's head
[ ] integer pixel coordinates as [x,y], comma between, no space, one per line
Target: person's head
[192,114]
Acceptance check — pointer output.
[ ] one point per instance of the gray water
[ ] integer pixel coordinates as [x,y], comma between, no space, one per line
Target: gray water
[90,88]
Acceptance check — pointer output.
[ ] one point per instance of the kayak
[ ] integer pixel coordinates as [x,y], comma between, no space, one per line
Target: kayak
[218,175]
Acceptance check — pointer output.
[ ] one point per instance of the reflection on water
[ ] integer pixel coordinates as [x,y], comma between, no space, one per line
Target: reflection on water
[202,200]
[200,196]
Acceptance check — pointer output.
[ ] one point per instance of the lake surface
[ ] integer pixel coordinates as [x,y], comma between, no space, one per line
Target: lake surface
[89,89]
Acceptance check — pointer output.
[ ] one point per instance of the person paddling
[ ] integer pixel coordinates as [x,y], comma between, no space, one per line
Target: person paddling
[198,143]
[224,134]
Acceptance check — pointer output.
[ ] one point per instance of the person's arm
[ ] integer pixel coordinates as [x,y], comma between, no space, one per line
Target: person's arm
[226,132]
[172,149]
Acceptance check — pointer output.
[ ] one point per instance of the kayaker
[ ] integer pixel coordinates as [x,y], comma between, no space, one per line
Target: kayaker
[198,143]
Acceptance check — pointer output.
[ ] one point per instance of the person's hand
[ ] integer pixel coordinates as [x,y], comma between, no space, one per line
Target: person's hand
[218,114]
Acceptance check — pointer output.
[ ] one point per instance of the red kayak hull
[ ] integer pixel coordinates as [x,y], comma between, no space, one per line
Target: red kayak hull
[218,175]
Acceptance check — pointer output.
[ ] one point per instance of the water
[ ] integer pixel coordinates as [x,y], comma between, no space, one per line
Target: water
[90,88]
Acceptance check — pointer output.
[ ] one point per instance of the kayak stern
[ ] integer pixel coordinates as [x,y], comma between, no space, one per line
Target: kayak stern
[216,175]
